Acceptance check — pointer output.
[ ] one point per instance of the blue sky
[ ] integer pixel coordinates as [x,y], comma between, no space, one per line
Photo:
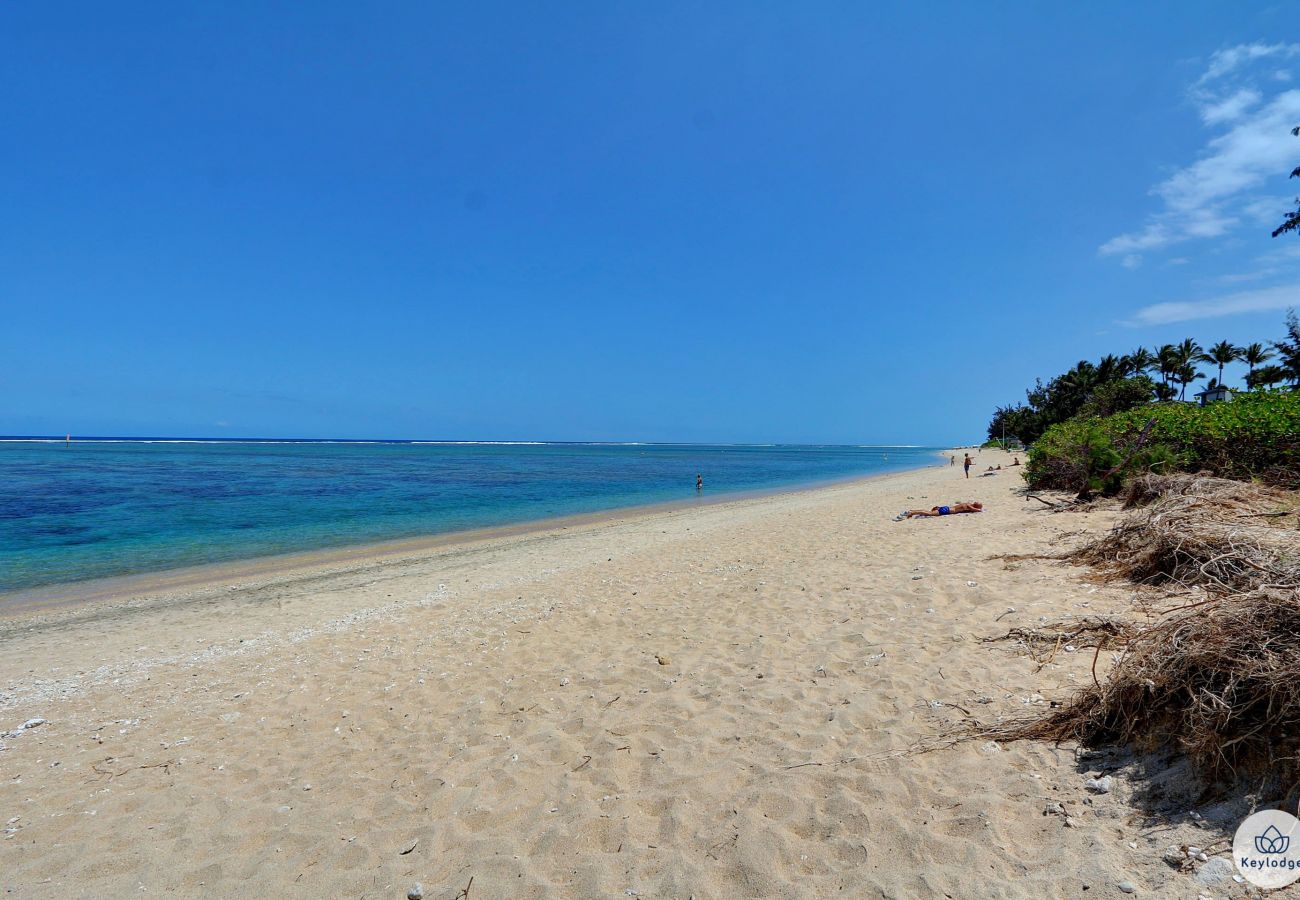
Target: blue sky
[826,222]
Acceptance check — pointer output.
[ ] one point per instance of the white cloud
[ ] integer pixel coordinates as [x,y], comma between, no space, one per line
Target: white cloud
[1254,146]
[1230,107]
[1132,261]
[1226,61]
[1279,262]
[1262,300]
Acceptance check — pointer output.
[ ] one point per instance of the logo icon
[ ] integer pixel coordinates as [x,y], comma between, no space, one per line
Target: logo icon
[1263,849]
[1272,841]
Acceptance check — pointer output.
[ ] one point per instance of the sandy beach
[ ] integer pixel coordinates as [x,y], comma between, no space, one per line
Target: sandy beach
[725,701]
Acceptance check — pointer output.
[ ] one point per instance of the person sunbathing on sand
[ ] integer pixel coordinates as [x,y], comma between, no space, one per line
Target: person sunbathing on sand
[940,511]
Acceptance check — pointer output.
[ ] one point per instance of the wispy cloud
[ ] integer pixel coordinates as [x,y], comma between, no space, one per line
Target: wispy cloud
[1229,108]
[1251,114]
[1263,300]
[1281,262]
[1225,62]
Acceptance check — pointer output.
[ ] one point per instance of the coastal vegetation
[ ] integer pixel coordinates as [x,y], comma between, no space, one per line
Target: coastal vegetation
[1210,675]
[1256,436]
[1098,424]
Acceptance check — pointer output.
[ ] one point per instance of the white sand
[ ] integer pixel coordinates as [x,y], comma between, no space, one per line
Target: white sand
[499,707]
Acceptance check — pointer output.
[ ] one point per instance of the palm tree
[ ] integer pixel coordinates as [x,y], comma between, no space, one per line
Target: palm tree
[1081,380]
[1166,362]
[1187,350]
[1108,368]
[1140,360]
[1220,354]
[1254,355]
[1185,375]
[1288,350]
[1184,372]
[1265,377]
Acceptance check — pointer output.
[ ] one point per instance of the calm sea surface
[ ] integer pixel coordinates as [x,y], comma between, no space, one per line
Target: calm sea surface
[114,507]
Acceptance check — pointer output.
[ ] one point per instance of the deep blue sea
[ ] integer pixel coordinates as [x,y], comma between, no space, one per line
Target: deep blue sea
[119,506]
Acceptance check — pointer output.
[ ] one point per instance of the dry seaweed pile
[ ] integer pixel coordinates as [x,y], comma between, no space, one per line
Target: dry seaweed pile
[1217,683]
[1225,495]
[1218,679]
[1194,531]
[1042,644]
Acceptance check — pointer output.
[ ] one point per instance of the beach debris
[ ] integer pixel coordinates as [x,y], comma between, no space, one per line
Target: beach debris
[1218,871]
[1054,809]
[1068,634]
[1127,887]
[26,726]
[1099,785]
[564,681]
[972,584]
[1200,531]
[416,892]
[917,577]
[663,659]
[1214,681]
[414,843]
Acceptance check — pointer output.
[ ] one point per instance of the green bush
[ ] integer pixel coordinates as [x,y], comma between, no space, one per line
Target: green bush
[1255,435]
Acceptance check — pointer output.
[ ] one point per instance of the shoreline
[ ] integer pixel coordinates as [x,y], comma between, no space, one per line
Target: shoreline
[47,599]
[730,700]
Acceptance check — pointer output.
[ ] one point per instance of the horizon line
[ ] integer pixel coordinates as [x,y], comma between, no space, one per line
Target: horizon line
[59,439]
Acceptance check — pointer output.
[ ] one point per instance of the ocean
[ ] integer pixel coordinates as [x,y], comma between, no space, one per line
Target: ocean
[118,506]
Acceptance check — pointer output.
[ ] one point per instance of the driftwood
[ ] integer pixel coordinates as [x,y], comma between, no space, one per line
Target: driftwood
[1213,679]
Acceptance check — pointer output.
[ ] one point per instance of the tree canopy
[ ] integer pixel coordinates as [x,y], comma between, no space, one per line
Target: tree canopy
[1115,384]
[1292,222]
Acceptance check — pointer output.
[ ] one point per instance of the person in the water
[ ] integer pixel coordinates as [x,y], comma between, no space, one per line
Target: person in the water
[699,482]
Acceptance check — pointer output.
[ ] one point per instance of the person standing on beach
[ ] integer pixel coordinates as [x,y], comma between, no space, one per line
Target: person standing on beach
[952,460]
[967,464]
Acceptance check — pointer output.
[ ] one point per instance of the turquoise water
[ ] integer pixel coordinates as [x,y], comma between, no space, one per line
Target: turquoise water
[115,507]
